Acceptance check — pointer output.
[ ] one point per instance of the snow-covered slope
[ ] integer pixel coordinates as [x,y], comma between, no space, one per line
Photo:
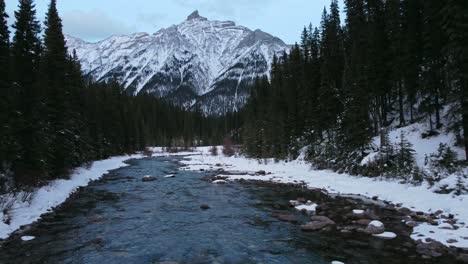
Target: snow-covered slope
[198,61]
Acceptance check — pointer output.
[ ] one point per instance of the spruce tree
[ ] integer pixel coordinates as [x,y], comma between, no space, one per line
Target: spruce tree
[58,93]
[6,105]
[30,165]
[405,156]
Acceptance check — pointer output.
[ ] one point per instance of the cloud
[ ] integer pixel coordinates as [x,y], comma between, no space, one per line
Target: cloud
[152,19]
[93,25]
[226,8]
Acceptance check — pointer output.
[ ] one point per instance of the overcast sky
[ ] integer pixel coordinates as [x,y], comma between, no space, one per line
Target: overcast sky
[95,20]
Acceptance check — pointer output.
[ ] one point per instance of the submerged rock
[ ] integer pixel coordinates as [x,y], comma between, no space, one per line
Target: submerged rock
[148,178]
[317,223]
[288,218]
[205,207]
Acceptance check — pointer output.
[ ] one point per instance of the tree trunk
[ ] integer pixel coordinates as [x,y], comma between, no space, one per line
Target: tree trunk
[400,101]
[465,115]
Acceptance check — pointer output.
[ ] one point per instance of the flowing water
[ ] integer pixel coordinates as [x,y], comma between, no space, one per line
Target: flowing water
[121,219]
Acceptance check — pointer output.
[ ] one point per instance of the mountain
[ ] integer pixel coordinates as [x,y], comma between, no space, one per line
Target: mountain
[198,63]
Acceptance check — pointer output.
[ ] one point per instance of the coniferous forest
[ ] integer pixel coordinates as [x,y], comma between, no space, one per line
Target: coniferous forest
[52,118]
[389,64]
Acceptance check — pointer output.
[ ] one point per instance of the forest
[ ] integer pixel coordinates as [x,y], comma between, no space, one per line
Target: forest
[390,64]
[53,118]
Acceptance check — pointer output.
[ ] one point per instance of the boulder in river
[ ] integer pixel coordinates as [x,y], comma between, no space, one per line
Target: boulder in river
[148,178]
[374,228]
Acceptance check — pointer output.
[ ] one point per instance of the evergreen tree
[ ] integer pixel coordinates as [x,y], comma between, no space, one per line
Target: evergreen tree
[58,93]
[412,59]
[26,48]
[455,22]
[405,157]
[6,105]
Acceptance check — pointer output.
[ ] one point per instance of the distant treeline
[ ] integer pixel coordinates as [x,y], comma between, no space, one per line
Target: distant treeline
[392,63]
[52,119]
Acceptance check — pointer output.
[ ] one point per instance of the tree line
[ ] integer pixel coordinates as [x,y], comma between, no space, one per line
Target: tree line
[391,64]
[53,119]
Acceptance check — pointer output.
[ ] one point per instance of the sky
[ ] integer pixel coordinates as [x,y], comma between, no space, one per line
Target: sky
[94,20]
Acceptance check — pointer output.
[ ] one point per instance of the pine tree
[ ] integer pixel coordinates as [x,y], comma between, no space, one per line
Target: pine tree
[356,124]
[405,159]
[413,28]
[26,48]
[394,32]
[7,141]
[58,93]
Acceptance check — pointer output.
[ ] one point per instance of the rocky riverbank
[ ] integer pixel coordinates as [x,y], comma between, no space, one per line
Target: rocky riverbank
[356,218]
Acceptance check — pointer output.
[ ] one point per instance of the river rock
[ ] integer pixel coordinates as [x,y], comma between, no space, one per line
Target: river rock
[318,223]
[386,235]
[317,218]
[374,228]
[313,226]
[302,200]
[148,178]
[363,222]
[411,224]
[261,172]
[99,220]
[432,249]
[219,182]
[463,258]
[288,218]
[294,203]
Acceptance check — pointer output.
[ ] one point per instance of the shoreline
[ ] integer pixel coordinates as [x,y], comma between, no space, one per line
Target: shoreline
[448,215]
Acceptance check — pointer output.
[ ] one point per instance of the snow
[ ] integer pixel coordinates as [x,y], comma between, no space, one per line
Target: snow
[386,235]
[170,176]
[219,182]
[337,262]
[417,198]
[199,53]
[46,198]
[376,223]
[358,212]
[27,238]
[423,146]
[310,208]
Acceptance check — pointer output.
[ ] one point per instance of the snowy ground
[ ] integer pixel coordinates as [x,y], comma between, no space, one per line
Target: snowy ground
[417,198]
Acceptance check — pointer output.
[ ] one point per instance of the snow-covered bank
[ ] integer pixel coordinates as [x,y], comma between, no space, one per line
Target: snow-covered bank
[417,198]
[55,193]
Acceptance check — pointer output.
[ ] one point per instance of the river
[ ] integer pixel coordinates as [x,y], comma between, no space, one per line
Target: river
[121,219]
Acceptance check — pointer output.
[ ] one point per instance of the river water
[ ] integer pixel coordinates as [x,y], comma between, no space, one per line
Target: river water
[121,219]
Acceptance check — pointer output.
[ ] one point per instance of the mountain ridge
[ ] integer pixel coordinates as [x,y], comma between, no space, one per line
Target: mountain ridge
[199,63]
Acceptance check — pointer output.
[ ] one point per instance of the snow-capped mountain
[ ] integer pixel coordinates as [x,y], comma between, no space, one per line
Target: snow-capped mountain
[198,62]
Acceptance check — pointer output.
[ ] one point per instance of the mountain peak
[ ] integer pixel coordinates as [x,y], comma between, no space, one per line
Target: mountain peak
[195,15]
